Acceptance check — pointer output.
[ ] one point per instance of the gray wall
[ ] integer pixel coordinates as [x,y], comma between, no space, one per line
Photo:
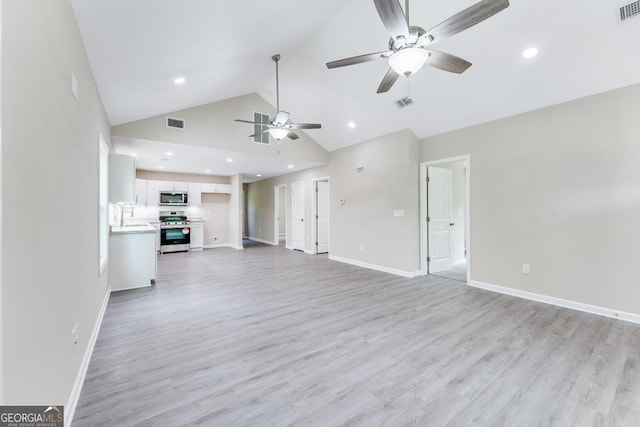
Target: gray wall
[50,201]
[558,188]
[388,182]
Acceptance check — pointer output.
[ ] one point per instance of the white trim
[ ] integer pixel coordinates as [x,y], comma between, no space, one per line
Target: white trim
[424,267]
[219,245]
[314,212]
[276,212]
[266,242]
[407,274]
[459,262]
[288,247]
[574,305]
[310,252]
[290,219]
[70,407]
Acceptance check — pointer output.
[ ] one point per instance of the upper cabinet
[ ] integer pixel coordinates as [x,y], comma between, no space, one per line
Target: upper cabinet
[195,194]
[122,178]
[216,188]
[147,192]
[141,192]
[173,186]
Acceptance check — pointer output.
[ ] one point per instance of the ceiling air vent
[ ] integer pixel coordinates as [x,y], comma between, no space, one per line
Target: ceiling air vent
[404,102]
[175,123]
[261,121]
[630,10]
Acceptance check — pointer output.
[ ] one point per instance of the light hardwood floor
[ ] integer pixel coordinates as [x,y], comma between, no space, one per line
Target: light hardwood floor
[273,337]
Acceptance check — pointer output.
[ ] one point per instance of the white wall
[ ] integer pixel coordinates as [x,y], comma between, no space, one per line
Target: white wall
[50,248]
[557,188]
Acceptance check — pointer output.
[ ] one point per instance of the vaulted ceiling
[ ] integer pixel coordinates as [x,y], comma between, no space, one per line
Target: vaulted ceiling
[224,48]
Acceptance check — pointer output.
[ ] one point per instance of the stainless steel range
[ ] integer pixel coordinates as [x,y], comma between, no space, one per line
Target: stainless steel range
[175,232]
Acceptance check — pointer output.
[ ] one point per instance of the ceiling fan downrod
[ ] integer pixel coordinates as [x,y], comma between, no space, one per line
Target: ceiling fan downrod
[276,58]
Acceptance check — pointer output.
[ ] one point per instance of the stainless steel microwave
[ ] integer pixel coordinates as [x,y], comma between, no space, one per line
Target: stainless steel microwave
[174,198]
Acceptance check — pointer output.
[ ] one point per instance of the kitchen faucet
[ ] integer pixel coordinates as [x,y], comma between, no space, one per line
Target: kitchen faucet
[124,205]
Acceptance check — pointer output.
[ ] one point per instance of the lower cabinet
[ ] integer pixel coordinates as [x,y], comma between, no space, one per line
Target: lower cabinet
[132,260]
[197,235]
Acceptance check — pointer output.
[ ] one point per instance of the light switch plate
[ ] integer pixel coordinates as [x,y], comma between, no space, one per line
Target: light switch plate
[398,213]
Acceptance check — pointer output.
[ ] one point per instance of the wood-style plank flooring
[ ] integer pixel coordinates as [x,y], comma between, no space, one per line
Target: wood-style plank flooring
[273,337]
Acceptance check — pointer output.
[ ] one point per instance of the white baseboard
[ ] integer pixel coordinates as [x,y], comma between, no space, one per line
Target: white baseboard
[196,249]
[587,308]
[288,247]
[217,245]
[408,274]
[70,407]
[266,242]
[459,262]
[308,251]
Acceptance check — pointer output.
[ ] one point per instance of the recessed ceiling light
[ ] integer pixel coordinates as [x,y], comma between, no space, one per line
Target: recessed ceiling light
[258,175]
[290,166]
[179,80]
[352,125]
[134,155]
[530,52]
[207,171]
[169,153]
[160,167]
[229,160]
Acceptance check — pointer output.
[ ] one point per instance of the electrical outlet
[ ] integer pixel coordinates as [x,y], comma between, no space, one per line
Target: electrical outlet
[526,269]
[215,238]
[74,337]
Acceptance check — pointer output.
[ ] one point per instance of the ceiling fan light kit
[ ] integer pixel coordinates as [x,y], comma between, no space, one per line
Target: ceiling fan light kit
[408,60]
[409,46]
[280,127]
[278,133]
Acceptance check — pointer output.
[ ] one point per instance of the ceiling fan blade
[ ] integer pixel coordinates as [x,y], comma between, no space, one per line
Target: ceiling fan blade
[281,118]
[292,135]
[464,19]
[304,126]
[388,81]
[393,17]
[358,59]
[247,121]
[447,62]
[259,133]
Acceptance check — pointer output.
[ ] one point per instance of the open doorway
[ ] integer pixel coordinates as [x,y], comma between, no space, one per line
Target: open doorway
[280,215]
[320,218]
[444,198]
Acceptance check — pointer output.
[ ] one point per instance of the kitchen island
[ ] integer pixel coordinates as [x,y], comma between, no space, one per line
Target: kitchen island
[132,256]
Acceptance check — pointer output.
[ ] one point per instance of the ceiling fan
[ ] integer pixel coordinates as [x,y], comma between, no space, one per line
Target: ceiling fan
[280,126]
[409,45]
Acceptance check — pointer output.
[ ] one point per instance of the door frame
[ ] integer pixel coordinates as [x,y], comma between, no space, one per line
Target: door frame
[424,237]
[314,214]
[304,226]
[276,212]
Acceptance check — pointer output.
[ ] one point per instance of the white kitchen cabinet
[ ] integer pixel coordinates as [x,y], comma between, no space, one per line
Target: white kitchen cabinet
[197,235]
[195,195]
[141,192]
[173,186]
[156,225]
[122,178]
[132,259]
[216,188]
[153,193]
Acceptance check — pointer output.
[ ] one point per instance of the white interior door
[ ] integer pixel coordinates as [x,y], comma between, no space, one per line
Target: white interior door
[297,210]
[440,200]
[322,216]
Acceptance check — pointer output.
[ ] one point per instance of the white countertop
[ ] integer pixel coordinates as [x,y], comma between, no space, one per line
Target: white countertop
[133,229]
